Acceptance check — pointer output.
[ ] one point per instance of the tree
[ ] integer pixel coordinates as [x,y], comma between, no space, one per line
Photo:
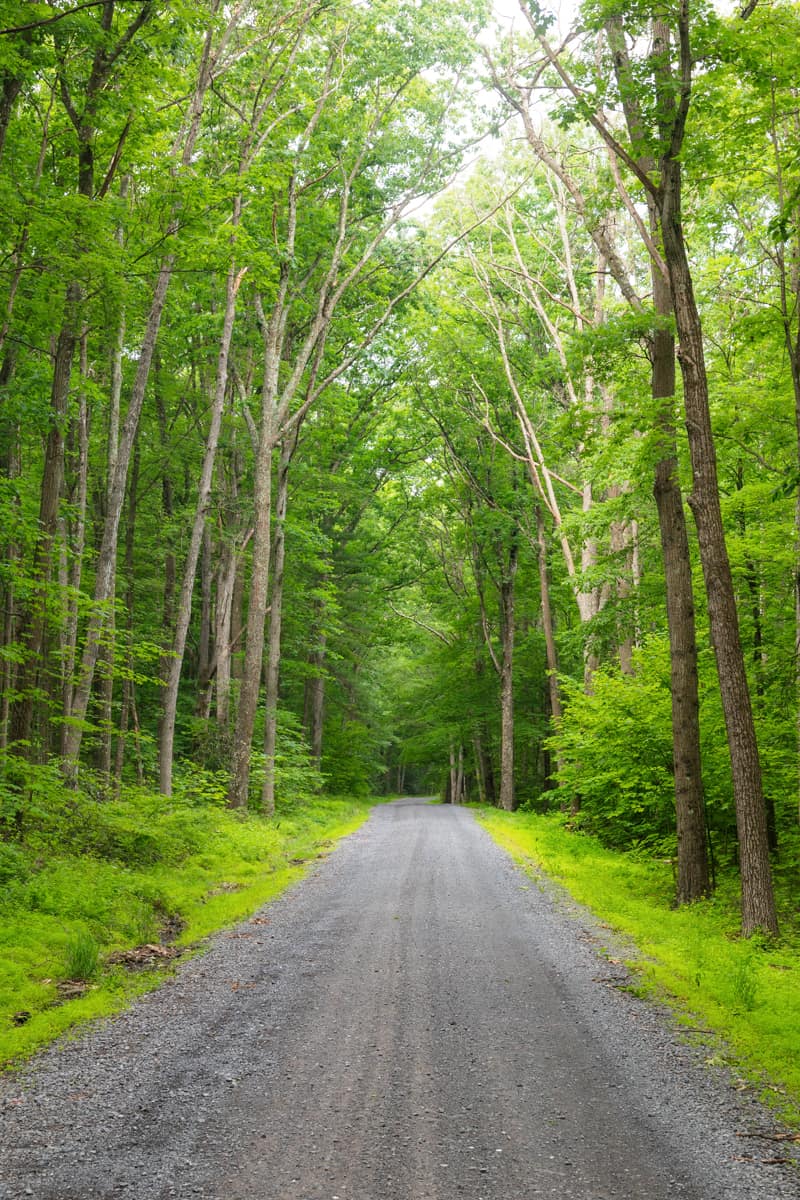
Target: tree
[669,80]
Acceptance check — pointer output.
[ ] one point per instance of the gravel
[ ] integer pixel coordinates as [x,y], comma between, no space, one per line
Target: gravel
[415,1020]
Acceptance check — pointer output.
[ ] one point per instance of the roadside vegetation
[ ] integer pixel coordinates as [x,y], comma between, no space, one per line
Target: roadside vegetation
[99,896]
[741,997]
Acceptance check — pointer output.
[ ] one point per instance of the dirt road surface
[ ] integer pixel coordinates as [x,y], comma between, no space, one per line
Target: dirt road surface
[416,1020]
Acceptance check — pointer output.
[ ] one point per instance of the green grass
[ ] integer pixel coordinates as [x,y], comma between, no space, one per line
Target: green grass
[87,879]
[746,993]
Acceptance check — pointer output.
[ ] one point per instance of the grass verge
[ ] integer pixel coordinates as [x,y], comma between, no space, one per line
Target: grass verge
[746,994]
[100,879]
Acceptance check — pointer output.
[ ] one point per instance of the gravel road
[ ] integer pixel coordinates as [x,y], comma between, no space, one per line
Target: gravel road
[416,1020]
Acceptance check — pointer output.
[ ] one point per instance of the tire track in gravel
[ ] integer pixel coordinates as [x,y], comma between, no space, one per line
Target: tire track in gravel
[414,1023]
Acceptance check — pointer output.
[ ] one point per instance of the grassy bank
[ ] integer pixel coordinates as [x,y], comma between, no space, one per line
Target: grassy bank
[96,898]
[746,993]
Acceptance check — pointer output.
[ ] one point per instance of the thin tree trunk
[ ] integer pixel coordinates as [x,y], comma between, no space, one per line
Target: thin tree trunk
[33,624]
[205,645]
[507,800]
[256,616]
[551,653]
[479,767]
[275,623]
[450,790]
[226,577]
[315,697]
[75,566]
[203,497]
[128,695]
[459,788]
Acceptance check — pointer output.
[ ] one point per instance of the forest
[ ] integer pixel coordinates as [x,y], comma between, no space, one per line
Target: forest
[401,397]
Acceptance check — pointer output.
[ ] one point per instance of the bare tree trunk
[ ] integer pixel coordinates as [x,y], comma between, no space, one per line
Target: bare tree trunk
[128,695]
[315,700]
[256,615]
[458,791]
[507,686]
[203,497]
[226,576]
[275,622]
[450,790]
[480,774]
[167,536]
[74,569]
[205,645]
[551,653]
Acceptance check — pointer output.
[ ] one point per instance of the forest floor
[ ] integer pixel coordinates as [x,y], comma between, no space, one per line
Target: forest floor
[412,1021]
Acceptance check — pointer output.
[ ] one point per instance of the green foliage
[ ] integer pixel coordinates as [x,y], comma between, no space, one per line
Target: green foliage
[614,748]
[111,875]
[745,992]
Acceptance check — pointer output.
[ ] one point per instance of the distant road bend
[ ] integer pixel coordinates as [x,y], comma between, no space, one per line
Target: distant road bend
[413,1021]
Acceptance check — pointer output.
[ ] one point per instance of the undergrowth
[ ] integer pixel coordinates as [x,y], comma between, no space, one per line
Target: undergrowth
[82,877]
[746,992]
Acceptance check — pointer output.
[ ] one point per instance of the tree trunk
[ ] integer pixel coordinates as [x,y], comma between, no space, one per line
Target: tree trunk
[256,616]
[127,710]
[201,508]
[107,555]
[551,653]
[275,621]
[480,774]
[693,874]
[758,903]
[507,686]
[226,576]
[205,644]
[458,791]
[315,700]
[33,624]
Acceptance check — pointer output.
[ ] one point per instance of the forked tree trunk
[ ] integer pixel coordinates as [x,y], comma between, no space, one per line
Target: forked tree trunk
[226,576]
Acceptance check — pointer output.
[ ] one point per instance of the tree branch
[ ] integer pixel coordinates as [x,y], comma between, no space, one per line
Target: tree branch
[69,13]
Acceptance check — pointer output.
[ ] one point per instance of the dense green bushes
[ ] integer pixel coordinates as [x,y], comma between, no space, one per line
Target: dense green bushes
[614,751]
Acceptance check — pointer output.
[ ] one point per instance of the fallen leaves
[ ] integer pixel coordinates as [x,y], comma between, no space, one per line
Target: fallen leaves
[146,955]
